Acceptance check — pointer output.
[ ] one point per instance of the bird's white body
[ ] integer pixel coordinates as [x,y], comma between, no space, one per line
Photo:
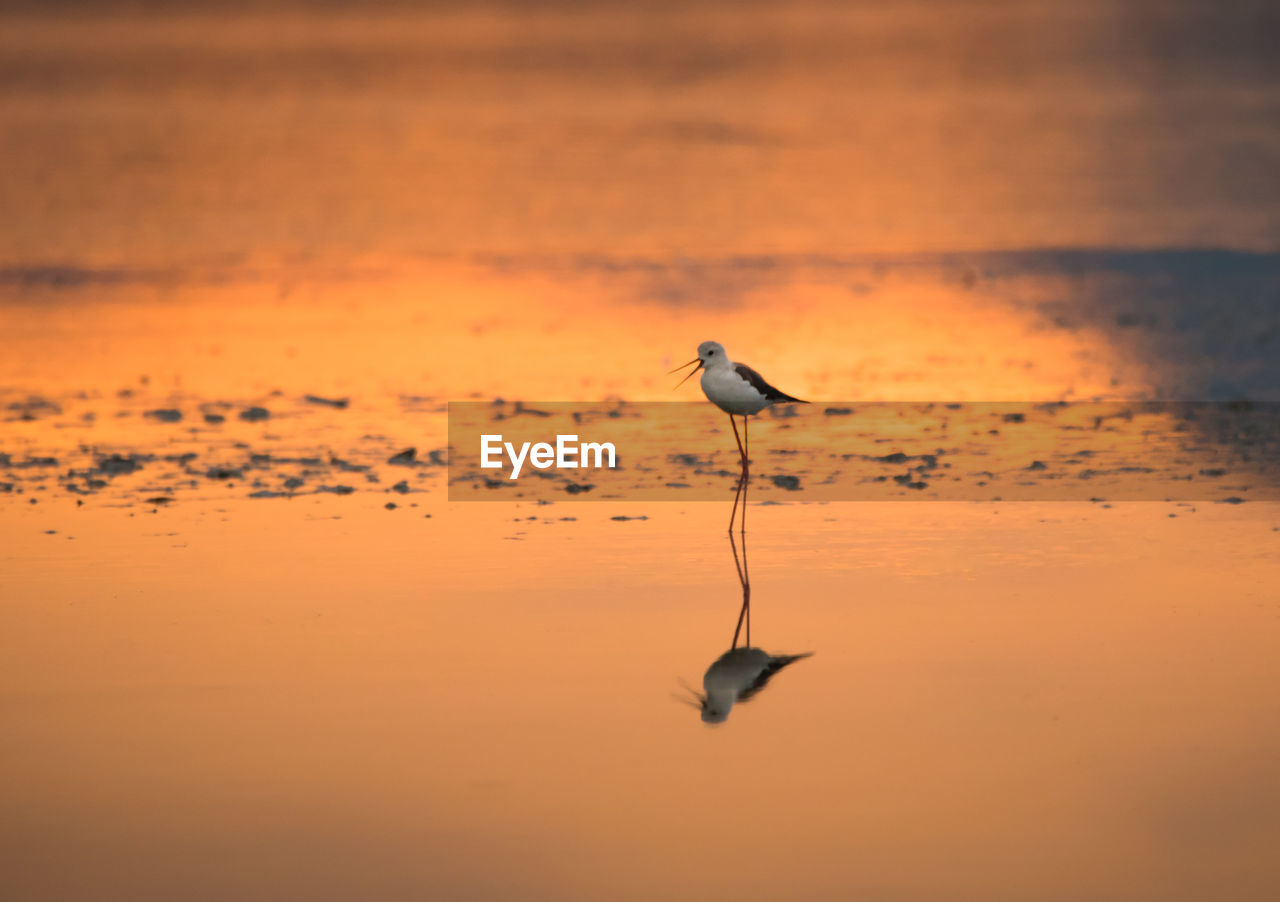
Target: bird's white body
[737,675]
[729,391]
[735,388]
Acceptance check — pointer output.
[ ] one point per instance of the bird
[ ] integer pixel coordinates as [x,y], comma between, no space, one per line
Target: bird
[736,676]
[736,389]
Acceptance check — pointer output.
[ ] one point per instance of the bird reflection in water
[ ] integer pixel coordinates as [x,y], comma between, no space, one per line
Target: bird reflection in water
[741,672]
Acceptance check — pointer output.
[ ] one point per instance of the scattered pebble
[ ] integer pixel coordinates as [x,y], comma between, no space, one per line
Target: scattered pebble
[254,414]
[164,415]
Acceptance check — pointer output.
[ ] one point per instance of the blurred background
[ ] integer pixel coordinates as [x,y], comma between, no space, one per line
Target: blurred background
[1092,180]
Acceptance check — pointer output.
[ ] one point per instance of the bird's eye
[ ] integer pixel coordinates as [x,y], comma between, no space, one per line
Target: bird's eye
[711,353]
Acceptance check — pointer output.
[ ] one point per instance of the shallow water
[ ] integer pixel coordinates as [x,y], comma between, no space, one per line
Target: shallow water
[320,698]
[255,650]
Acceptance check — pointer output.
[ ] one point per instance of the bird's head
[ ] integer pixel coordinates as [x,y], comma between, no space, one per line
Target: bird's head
[713,713]
[713,710]
[709,354]
[710,351]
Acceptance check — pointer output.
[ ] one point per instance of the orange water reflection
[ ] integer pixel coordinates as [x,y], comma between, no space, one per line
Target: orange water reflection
[276,690]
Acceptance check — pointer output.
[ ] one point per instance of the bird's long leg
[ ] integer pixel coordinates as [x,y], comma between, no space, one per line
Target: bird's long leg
[742,479]
[734,513]
[746,574]
[742,454]
[744,578]
[737,630]
[746,478]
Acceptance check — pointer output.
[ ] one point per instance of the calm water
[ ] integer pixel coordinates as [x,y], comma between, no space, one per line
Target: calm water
[323,694]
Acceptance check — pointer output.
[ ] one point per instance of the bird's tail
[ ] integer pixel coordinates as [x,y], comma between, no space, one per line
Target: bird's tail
[780,661]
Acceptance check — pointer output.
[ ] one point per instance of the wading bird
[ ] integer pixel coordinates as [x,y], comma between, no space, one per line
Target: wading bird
[736,389]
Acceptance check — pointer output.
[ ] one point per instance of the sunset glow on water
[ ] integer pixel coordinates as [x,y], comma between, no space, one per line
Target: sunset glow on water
[270,270]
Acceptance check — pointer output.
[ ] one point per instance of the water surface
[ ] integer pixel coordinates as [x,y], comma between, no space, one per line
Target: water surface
[253,650]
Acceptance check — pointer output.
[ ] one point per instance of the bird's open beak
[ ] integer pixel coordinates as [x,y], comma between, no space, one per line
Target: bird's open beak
[697,360]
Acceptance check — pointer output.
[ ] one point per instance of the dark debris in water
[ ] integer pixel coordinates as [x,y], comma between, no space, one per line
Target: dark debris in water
[346,466]
[335,489]
[33,408]
[8,462]
[120,465]
[336,403]
[688,460]
[406,458]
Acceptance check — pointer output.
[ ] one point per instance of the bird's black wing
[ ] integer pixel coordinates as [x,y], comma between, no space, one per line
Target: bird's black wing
[756,381]
[762,680]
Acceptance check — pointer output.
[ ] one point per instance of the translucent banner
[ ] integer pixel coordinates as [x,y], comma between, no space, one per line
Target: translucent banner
[936,451]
